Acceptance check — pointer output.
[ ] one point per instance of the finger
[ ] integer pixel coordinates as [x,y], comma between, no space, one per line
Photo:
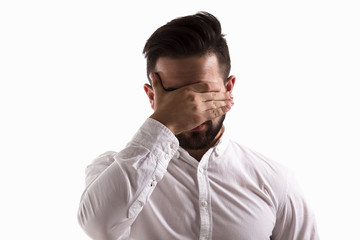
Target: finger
[209,105]
[216,112]
[202,87]
[211,96]
[156,83]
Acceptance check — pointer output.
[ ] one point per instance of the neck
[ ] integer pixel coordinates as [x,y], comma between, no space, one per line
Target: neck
[198,154]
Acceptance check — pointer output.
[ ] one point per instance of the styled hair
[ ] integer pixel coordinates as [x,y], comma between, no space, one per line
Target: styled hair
[193,35]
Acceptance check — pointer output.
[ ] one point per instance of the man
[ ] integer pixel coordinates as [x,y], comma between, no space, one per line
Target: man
[180,177]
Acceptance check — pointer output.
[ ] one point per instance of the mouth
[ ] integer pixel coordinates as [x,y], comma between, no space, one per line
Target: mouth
[199,128]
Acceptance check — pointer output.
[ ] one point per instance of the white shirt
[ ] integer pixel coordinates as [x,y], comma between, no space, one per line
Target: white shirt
[153,189]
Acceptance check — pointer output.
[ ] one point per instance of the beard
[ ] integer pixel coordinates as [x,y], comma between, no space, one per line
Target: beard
[201,139]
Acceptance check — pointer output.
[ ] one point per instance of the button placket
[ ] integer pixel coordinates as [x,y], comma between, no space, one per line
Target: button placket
[205,227]
[153,181]
[173,146]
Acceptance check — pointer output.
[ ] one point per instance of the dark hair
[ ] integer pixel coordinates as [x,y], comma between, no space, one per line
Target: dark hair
[193,35]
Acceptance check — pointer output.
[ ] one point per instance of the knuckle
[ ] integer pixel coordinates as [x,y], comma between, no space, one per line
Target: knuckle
[192,96]
[207,86]
[215,112]
[195,107]
[214,103]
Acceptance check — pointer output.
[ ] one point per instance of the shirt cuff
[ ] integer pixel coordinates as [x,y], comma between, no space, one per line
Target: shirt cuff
[158,139]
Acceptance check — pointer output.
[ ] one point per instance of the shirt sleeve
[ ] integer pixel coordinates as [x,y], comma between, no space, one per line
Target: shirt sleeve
[295,219]
[119,184]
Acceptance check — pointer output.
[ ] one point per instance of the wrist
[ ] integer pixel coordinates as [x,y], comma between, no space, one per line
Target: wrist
[164,122]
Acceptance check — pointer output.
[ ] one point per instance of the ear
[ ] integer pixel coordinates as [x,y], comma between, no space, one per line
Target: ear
[229,84]
[150,93]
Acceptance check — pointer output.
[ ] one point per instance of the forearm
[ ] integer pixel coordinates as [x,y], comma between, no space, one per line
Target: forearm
[112,201]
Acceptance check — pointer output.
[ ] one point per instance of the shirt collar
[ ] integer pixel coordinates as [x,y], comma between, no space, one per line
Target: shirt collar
[218,149]
[221,145]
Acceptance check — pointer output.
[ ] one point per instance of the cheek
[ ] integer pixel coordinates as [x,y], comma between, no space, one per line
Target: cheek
[218,120]
[215,122]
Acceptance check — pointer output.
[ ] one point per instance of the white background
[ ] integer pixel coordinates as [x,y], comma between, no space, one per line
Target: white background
[71,88]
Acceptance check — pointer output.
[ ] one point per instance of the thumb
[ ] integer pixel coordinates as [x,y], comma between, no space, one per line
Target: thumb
[156,83]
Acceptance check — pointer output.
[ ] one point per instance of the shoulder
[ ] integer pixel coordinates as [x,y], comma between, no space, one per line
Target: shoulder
[257,163]
[269,175]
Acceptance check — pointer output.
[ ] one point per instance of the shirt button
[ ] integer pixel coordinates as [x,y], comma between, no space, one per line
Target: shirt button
[167,156]
[153,183]
[172,145]
[204,203]
[139,203]
[201,170]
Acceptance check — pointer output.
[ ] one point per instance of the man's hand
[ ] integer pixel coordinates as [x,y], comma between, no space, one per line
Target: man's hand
[188,107]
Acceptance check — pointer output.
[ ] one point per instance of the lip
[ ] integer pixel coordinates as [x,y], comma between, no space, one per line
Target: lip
[199,128]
